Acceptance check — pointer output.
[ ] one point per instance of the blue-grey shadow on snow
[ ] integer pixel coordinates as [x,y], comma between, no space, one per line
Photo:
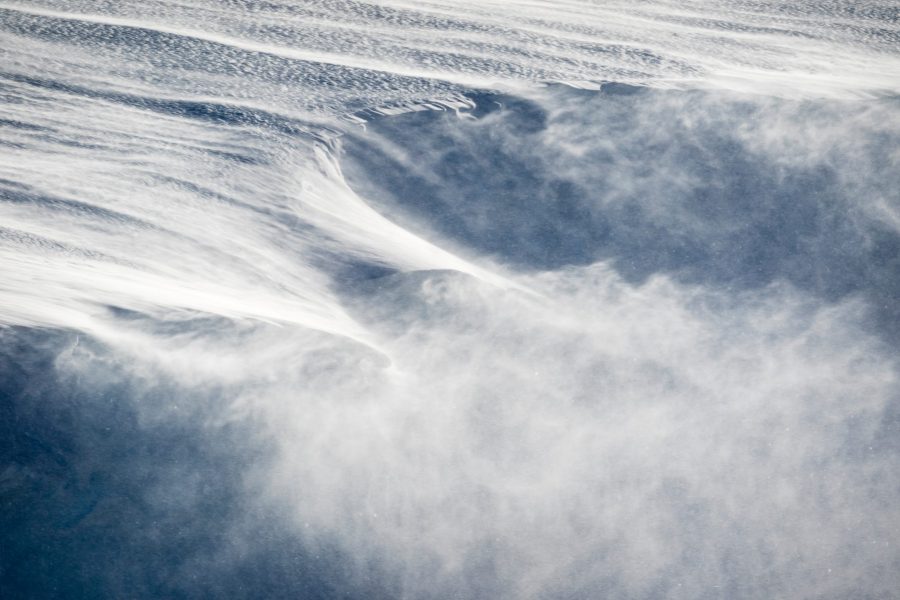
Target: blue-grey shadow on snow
[97,501]
[653,181]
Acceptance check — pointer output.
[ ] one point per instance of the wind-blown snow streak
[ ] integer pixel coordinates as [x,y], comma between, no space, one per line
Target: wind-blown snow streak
[69,68]
[619,341]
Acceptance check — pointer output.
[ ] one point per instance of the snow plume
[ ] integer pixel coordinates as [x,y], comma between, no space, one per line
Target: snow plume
[341,299]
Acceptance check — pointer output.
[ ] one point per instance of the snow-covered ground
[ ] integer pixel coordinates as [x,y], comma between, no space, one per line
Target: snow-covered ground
[567,299]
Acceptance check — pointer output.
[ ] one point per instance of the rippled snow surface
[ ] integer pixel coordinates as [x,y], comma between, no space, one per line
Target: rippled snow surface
[497,299]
